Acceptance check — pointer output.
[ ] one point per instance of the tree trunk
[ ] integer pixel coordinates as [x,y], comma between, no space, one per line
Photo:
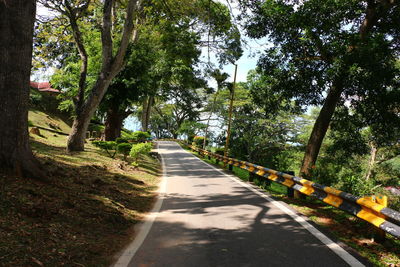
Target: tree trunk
[372,161]
[113,124]
[320,128]
[144,110]
[111,65]
[147,105]
[16,30]
[209,118]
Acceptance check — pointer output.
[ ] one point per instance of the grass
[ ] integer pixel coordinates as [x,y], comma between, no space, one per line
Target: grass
[83,216]
[349,229]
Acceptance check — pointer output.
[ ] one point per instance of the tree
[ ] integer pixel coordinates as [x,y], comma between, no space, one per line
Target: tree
[111,63]
[183,104]
[327,53]
[220,78]
[16,28]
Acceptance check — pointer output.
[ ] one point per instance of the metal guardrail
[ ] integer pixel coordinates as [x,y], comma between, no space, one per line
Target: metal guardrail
[376,213]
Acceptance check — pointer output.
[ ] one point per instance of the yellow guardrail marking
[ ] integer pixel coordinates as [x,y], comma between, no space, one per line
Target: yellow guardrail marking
[364,201]
[260,172]
[370,206]
[370,217]
[288,183]
[307,190]
[273,177]
[333,200]
[332,191]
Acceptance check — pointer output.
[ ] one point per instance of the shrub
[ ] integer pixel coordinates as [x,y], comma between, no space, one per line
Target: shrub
[140,136]
[140,149]
[199,140]
[109,146]
[121,140]
[190,138]
[220,151]
[124,149]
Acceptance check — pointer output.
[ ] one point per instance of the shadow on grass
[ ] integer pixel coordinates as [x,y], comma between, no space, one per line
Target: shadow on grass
[81,217]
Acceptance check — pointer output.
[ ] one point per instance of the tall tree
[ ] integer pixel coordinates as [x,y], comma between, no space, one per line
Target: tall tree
[326,54]
[16,28]
[111,63]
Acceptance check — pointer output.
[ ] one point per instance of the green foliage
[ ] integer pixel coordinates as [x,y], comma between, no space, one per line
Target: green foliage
[219,151]
[140,149]
[199,141]
[190,129]
[109,146]
[124,149]
[140,136]
[120,140]
[35,98]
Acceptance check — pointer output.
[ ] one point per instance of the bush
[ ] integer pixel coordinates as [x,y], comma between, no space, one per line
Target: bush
[190,138]
[140,136]
[124,149]
[199,140]
[109,146]
[121,140]
[140,149]
[220,151]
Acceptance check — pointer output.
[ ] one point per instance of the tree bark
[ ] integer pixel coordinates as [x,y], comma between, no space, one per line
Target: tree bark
[16,30]
[114,122]
[320,128]
[147,105]
[144,110]
[111,65]
[372,160]
[209,118]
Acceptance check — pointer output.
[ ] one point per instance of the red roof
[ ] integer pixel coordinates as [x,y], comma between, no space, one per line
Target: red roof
[44,87]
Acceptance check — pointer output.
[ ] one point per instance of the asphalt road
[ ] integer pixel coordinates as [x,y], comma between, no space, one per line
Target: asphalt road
[210,219]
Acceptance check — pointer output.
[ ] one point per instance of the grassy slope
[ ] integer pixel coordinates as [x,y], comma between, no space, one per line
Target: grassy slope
[83,216]
[350,230]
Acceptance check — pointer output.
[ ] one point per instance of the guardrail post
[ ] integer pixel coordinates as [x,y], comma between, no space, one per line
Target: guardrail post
[290,191]
[378,234]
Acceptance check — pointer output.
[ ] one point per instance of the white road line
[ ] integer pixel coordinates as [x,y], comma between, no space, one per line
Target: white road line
[144,228]
[342,253]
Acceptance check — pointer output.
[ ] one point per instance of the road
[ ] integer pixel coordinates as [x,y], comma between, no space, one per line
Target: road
[208,218]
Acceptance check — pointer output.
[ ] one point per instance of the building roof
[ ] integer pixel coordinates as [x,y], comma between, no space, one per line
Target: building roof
[44,87]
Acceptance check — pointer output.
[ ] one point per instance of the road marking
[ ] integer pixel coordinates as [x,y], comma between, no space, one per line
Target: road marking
[144,228]
[342,253]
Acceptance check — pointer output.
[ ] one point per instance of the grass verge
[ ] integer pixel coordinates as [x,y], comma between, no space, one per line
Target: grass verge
[83,216]
[352,231]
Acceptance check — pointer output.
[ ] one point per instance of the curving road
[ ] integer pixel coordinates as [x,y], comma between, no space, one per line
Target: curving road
[208,218]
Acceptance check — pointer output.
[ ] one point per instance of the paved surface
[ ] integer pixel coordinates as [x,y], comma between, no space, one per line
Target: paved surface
[208,219]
